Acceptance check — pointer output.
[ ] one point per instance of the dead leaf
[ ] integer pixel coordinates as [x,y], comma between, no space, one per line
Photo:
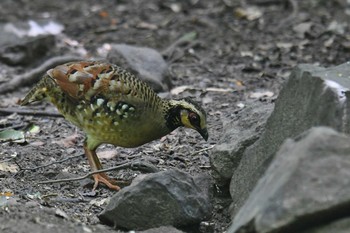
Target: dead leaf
[68,141]
[6,194]
[207,100]
[239,83]
[103,14]
[37,143]
[302,28]
[247,54]
[258,95]
[249,13]
[145,25]
[337,27]
[61,213]
[34,196]
[6,167]
[175,7]
[179,89]
[223,90]
[284,45]
[99,203]
[107,154]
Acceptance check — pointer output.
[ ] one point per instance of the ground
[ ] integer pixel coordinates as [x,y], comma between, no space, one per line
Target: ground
[240,51]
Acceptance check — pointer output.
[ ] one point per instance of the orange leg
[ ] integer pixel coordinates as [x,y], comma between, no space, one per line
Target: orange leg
[96,165]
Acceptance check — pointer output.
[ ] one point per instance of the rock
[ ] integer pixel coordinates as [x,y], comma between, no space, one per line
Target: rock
[312,96]
[240,133]
[167,198]
[25,42]
[204,182]
[308,183]
[146,63]
[161,230]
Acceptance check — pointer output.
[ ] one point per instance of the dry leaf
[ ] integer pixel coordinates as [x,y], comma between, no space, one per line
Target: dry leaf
[144,25]
[6,194]
[37,143]
[250,13]
[179,89]
[6,167]
[99,203]
[107,154]
[302,28]
[68,141]
[61,213]
[258,95]
[215,89]
[103,14]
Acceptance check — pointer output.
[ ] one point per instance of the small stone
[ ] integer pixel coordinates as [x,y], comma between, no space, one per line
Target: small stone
[71,150]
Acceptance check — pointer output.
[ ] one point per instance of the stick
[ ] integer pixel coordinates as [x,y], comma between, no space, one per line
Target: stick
[132,165]
[49,164]
[287,21]
[202,150]
[8,111]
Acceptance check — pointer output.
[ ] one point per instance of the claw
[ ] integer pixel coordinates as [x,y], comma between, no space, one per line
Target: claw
[103,178]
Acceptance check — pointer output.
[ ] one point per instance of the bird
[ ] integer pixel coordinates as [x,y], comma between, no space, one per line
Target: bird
[112,106]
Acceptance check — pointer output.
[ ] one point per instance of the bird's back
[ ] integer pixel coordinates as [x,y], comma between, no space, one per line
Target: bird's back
[108,103]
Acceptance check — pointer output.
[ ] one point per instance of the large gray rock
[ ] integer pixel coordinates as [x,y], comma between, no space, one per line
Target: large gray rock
[240,133]
[312,96]
[168,198]
[148,64]
[307,184]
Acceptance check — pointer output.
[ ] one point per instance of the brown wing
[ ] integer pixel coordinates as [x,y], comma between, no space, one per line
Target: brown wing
[86,79]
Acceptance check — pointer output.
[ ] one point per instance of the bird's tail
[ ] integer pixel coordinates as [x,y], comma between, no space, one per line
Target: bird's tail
[37,93]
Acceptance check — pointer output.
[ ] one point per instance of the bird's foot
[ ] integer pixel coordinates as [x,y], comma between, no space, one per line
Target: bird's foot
[103,178]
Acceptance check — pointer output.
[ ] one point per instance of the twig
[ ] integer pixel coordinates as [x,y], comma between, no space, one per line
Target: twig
[49,164]
[202,150]
[132,165]
[106,29]
[187,38]
[7,111]
[266,2]
[182,52]
[285,22]
[7,160]
[34,75]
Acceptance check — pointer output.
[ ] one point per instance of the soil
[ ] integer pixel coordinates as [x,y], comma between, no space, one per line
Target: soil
[243,51]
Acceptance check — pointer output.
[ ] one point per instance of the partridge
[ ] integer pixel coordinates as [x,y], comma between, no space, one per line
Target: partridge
[113,106]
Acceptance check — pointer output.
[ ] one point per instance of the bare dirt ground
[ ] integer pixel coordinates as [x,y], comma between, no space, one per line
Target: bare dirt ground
[243,50]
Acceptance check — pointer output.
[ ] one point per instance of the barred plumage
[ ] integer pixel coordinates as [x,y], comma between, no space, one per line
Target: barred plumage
[113,106]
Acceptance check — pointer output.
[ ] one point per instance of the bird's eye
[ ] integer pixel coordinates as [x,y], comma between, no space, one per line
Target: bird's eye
[194,118]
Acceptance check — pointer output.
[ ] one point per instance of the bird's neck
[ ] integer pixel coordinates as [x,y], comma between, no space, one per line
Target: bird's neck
[172,110]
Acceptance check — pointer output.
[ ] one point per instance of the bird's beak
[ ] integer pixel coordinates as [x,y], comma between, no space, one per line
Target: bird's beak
[204,133]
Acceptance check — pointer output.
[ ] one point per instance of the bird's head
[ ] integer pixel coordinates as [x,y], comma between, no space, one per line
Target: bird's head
[187,113]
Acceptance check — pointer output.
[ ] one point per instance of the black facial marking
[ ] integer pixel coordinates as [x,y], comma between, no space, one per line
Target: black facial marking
[172,118]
